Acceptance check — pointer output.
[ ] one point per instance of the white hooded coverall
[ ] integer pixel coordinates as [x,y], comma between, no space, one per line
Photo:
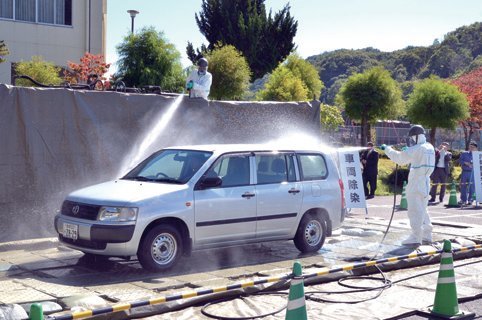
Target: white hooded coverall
[421,158]
[201,84]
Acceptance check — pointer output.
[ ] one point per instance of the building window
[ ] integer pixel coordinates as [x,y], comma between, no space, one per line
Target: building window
[6,9]
[46,11]
[41,11]
[25,10]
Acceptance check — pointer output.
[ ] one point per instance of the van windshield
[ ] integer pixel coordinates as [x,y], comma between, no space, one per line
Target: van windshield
[169,166]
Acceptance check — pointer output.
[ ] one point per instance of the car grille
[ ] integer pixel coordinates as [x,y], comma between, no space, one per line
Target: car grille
[98,245]
[84,211]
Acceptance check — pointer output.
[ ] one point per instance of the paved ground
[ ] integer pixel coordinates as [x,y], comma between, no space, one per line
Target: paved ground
[41,270]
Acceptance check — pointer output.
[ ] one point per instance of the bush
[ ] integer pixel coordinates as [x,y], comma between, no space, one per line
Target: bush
[230,72]
[41,71]
[401,175]
[294,80]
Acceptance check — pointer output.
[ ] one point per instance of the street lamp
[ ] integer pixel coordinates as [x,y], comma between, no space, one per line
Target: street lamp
[133,14]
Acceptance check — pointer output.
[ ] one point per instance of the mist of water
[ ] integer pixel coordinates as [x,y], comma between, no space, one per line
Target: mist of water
[150,136]
[300,141]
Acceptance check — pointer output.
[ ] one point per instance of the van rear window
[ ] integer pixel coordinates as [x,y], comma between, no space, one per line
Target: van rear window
[313,167]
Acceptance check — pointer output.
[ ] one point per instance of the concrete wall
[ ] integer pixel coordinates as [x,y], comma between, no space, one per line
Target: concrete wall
[54,141]
[55,43]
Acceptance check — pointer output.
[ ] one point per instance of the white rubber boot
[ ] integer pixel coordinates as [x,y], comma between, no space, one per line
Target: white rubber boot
[427,234]
[412,240]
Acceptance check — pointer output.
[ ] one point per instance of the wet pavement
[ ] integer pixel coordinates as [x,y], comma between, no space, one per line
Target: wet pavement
[42,270]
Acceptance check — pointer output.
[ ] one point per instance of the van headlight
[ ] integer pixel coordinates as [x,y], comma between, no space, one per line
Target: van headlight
[118,214]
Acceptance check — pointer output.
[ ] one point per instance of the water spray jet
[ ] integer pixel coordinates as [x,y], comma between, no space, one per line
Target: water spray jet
[151,135]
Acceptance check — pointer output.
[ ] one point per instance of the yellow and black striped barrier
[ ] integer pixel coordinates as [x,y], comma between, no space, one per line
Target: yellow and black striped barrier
[244,284]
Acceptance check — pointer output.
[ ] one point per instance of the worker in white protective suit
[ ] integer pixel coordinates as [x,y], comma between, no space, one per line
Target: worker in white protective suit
[199,81]
[421,156]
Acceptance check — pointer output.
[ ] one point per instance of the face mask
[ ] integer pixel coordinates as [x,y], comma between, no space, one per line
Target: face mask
[411,141]
[201,73]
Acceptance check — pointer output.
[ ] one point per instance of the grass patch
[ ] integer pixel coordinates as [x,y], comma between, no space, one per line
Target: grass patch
[385,168]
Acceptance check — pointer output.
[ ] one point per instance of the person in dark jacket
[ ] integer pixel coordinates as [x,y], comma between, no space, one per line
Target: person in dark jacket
[467,176]
[441,171]
[369,160]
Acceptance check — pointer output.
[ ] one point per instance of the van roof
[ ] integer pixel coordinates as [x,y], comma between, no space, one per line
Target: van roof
[222,148]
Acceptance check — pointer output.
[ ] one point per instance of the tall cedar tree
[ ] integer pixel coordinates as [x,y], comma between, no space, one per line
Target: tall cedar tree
[265,40]
[471,85]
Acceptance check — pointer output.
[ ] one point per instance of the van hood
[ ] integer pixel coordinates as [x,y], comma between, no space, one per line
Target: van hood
[123,192]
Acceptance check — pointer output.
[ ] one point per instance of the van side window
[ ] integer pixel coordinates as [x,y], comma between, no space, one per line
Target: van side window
[232,169]
[313,167]
[271,168]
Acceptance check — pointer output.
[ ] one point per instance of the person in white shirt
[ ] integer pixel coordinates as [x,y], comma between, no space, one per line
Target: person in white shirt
[199,81]
[441,172]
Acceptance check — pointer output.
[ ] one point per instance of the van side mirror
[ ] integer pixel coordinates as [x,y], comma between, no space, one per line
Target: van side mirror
[209,182]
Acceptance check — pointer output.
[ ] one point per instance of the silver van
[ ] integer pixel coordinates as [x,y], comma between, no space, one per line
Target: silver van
[198,197]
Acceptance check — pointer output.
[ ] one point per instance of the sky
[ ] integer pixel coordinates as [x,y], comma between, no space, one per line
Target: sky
[323,25]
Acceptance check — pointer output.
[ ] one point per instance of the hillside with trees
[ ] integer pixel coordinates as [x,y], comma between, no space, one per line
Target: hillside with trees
[459,52]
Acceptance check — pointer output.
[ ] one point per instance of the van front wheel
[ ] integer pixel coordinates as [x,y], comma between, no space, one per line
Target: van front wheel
[311,233]
[160,249]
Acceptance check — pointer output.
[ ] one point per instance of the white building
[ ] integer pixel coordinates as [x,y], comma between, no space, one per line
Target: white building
[58,30]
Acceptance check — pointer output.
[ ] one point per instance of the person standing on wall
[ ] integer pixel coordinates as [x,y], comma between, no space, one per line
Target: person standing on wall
[198,83]
[369,160]
[467,176]
[441,172]
[421,156]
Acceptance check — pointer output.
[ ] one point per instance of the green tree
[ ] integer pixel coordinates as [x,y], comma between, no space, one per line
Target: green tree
[437,104]
[230,72]
[307,73]
[371,96]
[294,80]
[3,51]
[41,71]
[265,40]
[330,117]
[283,85]
[147,58]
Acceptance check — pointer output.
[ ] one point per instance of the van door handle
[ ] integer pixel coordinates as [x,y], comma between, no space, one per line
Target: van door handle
[293,190]
[247,195]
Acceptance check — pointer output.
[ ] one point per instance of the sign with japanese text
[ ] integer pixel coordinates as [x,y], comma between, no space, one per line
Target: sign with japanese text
[477,162]
[350,170]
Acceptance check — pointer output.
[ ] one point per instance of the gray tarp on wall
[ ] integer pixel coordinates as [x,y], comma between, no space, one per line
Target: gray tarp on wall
[53,141]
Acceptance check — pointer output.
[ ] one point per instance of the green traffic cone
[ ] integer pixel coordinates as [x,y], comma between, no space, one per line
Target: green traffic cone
[453,197]
[36,312]
[446,302]
[296,309]
[403,201]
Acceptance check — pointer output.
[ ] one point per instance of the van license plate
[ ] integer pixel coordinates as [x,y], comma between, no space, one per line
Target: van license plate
[70,231]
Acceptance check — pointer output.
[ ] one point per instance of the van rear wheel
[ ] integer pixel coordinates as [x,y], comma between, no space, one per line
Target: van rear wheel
[311,233]
[160,249]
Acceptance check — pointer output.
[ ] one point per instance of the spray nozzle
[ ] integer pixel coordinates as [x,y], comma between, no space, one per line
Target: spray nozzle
[399,146]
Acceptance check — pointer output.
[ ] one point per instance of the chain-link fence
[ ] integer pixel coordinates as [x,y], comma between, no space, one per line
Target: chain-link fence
[394,132]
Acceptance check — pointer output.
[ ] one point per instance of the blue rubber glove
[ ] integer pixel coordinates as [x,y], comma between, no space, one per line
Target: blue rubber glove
[190,84]
[383,147]
[404,148]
